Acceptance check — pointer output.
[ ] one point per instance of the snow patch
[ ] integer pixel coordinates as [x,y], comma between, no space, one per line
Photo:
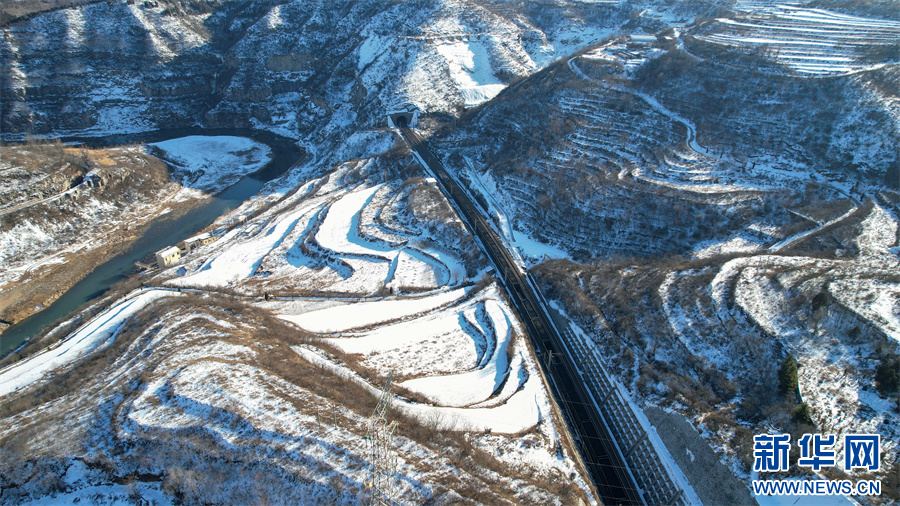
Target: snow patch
[97,334]
[525,409]
[213,163]
[477,385]
[342,318]
[731,246]
[470,69]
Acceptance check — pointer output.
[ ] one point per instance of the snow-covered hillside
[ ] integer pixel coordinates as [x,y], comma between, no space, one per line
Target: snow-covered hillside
[296,68]
[704,203]
[266,349]
[813,42]
[718,217]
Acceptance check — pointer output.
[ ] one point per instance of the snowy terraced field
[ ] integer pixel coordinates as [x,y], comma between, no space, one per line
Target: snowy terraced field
[763,290]
[644,144]
[284,383]
[317,241]
[811,42]
[453,345]
[619,146]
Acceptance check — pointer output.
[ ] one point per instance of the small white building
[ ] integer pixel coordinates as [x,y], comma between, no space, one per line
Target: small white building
[198,240]
[644,40]
[168,256]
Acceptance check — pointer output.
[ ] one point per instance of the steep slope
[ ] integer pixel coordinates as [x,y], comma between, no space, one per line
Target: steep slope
[708,232]
[292,67]
[67,210]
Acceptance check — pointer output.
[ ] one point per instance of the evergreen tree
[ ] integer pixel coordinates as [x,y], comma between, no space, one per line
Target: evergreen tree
[787,376]
[887,376]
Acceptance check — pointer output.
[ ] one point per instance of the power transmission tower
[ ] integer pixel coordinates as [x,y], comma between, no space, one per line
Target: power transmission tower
[383,462]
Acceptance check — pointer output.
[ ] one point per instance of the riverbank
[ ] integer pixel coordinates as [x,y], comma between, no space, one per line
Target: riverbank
[45,284]
[71,281]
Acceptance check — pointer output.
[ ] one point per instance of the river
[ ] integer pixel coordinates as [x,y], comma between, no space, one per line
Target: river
[162,232]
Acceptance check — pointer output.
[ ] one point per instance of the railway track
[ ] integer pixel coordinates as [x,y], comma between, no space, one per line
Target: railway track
[614,482]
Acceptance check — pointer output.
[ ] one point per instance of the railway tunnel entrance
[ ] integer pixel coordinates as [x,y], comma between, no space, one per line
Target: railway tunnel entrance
[403,118]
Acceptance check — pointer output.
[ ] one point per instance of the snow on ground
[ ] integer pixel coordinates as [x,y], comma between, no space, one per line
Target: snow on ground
[454,346]
[22,237]
[525,409]
[470,68]
[733,245]
[842,403]
[775,292]
[879,235]
[97,334]
[535,250]
[877,301]
[477,375]
[340,230]
[212,163]
[730,271]
[342,318]
[682,321]
[317,240]
[569,38]
[478,384]
[240,386]
[462,350]
[451,346]
[446,340]
[811,41]
[170,34]
[788,241]
[81,487]
[366,144]
[233,264]
[107,495]
[654,152]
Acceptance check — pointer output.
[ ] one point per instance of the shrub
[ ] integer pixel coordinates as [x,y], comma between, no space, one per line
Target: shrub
[802,414]
[820,301]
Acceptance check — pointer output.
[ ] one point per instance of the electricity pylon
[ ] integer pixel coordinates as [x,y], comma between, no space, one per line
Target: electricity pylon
[383,461]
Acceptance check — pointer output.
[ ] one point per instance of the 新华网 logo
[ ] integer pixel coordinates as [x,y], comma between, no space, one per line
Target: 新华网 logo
[771,453]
